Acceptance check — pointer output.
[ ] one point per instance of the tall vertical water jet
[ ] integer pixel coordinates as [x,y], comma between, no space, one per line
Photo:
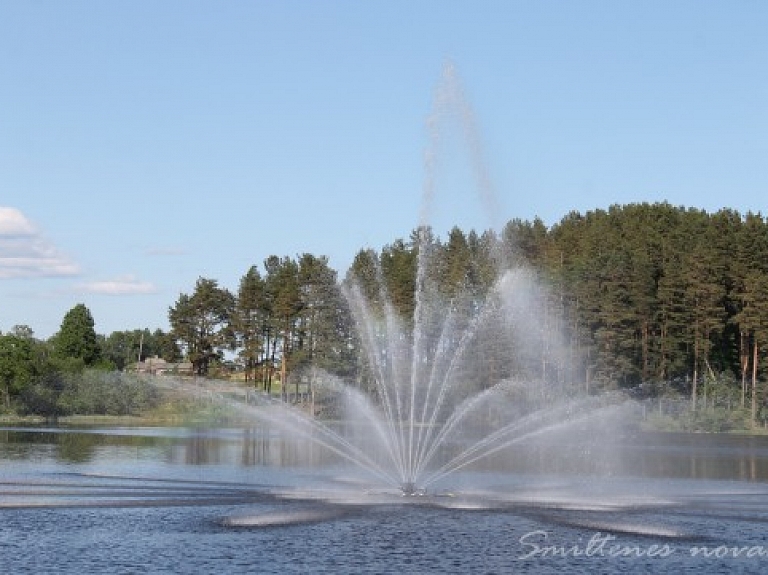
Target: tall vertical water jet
[475,369]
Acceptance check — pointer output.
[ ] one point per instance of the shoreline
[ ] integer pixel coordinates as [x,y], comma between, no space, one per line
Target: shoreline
[187,420]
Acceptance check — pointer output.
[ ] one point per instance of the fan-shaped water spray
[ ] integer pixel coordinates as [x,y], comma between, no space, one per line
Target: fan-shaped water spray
[457,384]
[477,366]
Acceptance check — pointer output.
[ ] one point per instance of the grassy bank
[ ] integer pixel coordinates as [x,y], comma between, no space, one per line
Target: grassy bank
[172,412]
[707,420]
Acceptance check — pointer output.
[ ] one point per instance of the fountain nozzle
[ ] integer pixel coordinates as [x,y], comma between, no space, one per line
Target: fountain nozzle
[409,489]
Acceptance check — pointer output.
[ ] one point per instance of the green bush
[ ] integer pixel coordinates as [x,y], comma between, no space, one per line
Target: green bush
[709,420]
[91,392]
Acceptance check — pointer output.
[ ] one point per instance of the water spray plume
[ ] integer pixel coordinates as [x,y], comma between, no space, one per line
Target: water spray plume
[468,376]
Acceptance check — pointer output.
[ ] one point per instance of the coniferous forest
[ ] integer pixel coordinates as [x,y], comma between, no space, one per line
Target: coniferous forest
[659,300]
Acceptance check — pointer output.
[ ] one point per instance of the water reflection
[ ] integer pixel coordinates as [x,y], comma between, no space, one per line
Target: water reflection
[701,456]
[66,445]
[246,447]
[658,455]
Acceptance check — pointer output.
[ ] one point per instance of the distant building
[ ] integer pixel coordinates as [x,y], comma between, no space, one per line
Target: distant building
[158,366]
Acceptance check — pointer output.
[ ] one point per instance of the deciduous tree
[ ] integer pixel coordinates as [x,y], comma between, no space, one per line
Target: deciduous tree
[76,339]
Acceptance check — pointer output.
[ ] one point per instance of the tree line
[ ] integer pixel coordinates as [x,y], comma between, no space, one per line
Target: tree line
[290,316]
[656,298]
[76,371]
[660,299]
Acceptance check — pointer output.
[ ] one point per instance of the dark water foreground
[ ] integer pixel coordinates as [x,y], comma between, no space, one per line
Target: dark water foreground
[166,500]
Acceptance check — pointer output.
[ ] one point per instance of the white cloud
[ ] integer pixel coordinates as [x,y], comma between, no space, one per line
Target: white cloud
[13,223]
[123,285]
[25,253]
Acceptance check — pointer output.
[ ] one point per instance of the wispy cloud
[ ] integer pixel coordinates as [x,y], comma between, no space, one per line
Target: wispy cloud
[123,285]
[26,253]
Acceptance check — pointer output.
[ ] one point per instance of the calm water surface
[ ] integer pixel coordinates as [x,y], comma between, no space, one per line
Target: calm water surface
[174,500]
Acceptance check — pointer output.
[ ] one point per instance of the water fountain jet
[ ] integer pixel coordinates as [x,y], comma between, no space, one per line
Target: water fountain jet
[474,370]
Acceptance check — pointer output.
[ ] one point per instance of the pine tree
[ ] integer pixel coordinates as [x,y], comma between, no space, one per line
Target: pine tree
[249,319]
[202,323]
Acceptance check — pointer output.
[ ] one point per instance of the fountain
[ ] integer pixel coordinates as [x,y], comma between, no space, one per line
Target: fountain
[431,409]
[474,370]
[478,378]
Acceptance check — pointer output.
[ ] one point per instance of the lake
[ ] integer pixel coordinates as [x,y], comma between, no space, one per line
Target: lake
[248,500]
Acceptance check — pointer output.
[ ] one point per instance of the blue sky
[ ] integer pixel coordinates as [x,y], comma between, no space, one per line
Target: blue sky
[145,144]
